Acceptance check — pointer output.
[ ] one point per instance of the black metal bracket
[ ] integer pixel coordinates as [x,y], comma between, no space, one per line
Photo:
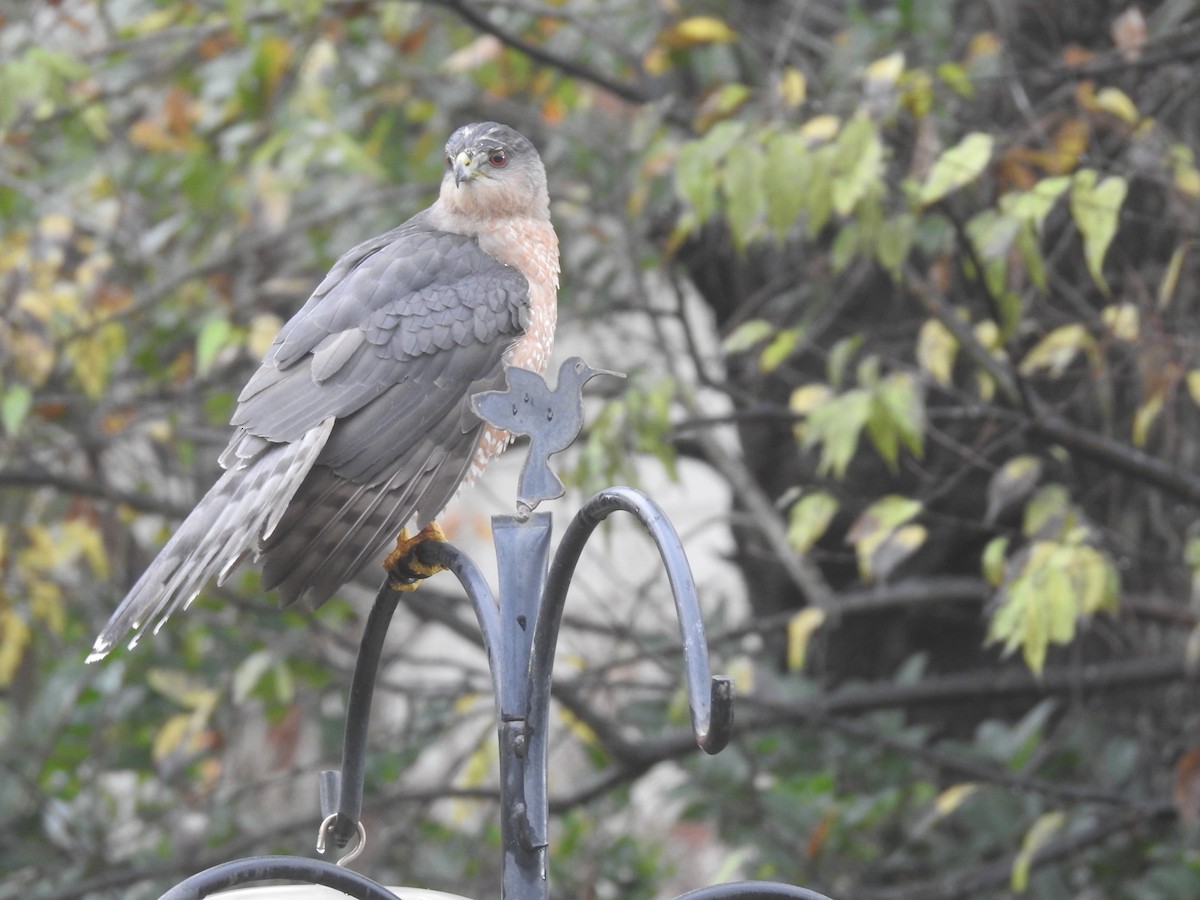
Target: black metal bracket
[520,632]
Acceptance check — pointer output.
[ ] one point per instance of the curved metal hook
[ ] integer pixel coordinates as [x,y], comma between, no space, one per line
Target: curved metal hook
[343,791]
[710,698]
[355,851]
[751,890]
[271,868]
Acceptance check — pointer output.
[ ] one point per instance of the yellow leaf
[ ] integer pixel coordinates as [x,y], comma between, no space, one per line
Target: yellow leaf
[1192,380]
[582,731]
[695,31]
[879,522]
[808,397]
[820,129]
[804,400]
[953,797]
[742,670]
[1170,279]
[46,603]
[466,703]
[936,351]
[1115,101]
[479,764]
[1012,483]
[186,690]
[94,354]
[887,70]
[656,60]
[800,629]
[14,638]
[1057,350]
[793,87]
[86,539]
[171,736]
[261,333]
[1046,826]
[1187,180]
[1123,320]
[809,518]
[893,550]
[1144,417]
[42,551]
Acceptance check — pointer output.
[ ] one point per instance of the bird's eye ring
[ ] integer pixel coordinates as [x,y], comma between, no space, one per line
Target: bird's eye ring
[498,158]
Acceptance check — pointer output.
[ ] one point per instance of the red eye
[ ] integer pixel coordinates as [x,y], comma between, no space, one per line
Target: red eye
[498,158]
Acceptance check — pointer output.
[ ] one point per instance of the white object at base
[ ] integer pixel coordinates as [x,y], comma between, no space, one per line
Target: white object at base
[320,892]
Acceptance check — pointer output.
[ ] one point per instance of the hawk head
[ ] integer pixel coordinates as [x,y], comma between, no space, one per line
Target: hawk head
[493,171]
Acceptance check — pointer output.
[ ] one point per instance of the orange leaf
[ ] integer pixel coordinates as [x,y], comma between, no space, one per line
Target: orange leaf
[1074,55]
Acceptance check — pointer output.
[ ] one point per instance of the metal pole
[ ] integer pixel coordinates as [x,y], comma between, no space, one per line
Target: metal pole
[522,555]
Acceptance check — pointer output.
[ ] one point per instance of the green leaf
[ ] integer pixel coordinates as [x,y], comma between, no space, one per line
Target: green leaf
[809,519]
[696,180]
[778,350]
[214,336]
[893,242]
[1030,249]
[858,165]
[1047,512]
[957,78]
[820,185]
[1095,207]
[14,407]
[836,426]
[993,560]
[747,335]
[839,358]
[787,176]
[1032,206]
[742,184]
[957,167]
[897,415]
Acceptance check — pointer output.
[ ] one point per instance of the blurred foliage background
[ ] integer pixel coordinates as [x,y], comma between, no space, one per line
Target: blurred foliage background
[916,281]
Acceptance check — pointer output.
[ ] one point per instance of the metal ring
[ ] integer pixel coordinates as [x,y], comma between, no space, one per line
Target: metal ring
[354,853]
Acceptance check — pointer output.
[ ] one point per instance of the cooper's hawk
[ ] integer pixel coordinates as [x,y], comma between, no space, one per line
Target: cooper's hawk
[359,419]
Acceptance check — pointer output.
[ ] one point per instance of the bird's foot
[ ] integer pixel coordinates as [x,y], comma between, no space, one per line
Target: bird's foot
[404,566]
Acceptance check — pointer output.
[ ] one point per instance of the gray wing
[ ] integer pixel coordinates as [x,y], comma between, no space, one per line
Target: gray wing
[357,421]
[391,346]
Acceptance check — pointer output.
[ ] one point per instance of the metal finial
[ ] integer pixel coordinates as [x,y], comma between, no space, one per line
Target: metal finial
[551,418]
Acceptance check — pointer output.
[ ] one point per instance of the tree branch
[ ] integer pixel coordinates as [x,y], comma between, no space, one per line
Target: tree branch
[567,66]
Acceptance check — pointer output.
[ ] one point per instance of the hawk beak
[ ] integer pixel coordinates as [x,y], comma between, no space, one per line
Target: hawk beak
[463,170]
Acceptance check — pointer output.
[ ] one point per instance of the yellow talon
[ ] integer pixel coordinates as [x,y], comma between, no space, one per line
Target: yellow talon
[406,571]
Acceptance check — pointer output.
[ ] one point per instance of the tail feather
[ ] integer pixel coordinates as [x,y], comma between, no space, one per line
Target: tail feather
[226,526]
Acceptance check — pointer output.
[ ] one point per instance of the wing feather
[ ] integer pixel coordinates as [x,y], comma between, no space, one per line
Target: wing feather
[392,346]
